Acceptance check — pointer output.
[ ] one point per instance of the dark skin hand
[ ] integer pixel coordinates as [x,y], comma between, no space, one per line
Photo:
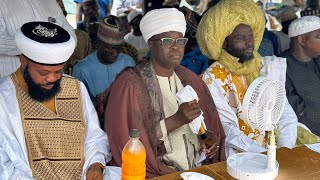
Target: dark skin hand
[95,172]
[209,145]
[186,113]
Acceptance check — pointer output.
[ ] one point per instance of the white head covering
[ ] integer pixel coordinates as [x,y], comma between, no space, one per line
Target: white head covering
[162,20]
[132,15]
[303,25]
[45,43]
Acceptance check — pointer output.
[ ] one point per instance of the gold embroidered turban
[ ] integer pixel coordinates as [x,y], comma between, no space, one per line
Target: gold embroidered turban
[219,22]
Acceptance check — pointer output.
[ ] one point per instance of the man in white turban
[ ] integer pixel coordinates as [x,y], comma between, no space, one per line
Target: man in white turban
[49,128]
[230,33]
[144,98]
[303,72]
[13,15]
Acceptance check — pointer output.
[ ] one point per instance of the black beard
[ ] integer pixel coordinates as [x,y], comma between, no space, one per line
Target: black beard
[239,54]
[243,59]
[38,93]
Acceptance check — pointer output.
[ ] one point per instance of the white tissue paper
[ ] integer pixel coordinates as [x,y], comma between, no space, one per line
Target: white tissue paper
[195,176]
[112,173]
[188,94]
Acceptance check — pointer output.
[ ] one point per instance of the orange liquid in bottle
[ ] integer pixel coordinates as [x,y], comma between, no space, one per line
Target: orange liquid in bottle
[134,160]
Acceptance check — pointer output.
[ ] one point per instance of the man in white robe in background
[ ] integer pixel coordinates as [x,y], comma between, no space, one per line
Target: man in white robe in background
[49,127]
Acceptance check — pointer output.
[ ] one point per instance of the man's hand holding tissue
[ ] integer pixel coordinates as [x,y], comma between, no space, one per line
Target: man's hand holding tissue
[186,113]
[209,145]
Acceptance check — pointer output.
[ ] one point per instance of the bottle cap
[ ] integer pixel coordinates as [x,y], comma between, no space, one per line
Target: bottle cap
[134,133]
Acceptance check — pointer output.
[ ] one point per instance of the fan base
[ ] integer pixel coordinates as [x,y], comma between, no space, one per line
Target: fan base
[251,166]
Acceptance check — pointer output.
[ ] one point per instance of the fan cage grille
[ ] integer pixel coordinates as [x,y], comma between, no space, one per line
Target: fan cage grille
[267,99]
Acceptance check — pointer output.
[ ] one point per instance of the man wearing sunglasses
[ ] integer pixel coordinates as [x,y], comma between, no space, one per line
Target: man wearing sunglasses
[144,98]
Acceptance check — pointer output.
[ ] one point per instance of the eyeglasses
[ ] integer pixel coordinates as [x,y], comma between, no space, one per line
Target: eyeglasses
[169,41]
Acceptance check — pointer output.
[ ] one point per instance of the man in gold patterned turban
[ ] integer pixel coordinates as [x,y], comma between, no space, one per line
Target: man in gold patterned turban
[230,33]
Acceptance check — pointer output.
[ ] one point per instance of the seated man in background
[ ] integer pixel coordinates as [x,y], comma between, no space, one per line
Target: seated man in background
[143,97]
[135,37]
[125,6]
[193,59]
[99,69]
[230,33]
[303,71]
[286,17]
[49,127]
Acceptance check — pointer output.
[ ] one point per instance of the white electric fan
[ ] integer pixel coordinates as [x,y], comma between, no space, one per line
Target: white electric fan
[262,108]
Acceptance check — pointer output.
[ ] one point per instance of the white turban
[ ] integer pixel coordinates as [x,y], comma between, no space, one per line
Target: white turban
[133,14]
[45,43]
[162,20]
[303,25]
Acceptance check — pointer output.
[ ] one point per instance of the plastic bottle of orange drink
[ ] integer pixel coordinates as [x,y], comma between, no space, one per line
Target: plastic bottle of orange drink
[134,158]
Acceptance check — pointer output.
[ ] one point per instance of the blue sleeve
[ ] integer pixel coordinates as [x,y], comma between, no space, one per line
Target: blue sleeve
[76,72]
[205,64]
[132,62]
[78,1]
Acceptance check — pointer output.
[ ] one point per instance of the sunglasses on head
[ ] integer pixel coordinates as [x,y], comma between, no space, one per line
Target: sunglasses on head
[169,41]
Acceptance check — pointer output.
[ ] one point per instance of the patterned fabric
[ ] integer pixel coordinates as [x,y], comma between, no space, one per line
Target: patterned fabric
[182,145]
[55,142]
[266,48]
[302,86]
[234,88]
[219,22]
[110,31]
[130,50]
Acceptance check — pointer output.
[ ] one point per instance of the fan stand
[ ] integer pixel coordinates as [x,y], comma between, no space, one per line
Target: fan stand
[255,166]
[251,166]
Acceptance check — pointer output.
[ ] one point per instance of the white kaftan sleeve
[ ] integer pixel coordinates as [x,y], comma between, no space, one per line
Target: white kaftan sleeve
[97,148]
[7,167]
[235,138]
[12,166]
[275,68]
[13,157]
